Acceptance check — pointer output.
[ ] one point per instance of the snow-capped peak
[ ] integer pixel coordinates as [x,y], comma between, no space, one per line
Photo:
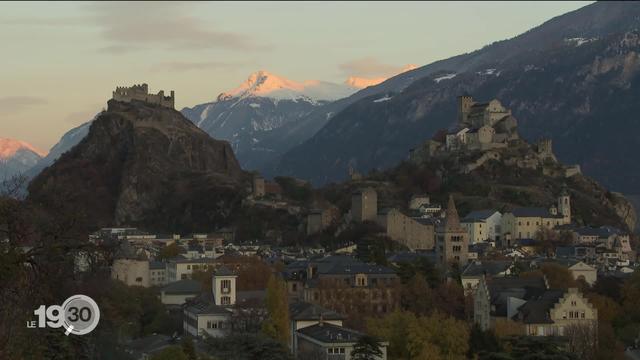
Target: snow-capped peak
[10,147]
[265,84]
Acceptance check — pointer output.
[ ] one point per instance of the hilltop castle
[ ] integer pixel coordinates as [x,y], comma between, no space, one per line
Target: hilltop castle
[488,131]
[141,93]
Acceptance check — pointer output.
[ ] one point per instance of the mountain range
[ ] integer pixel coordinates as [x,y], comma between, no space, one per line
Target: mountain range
[573,79]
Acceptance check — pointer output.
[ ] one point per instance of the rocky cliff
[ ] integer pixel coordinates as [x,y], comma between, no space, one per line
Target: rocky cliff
[147,166]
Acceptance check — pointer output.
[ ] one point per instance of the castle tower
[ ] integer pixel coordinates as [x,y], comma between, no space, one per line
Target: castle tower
[258,186]
[223,286]
[464,106]
[564,205]
[452,240]
[364,205]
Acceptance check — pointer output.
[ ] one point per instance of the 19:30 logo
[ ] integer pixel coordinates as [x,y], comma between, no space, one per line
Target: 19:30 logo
[78,315]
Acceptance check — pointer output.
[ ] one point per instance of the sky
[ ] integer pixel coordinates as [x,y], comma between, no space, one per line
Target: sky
[60,61]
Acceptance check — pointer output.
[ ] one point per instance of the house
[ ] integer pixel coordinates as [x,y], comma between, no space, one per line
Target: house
[579,270]
[304,314]
[476,270]
[555,311]
[210,313]
[327,341]
[483,225]
[178,292]
[418,200]
[497,299]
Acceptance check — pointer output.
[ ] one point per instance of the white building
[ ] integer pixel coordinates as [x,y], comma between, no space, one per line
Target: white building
[483,225]
[211,315]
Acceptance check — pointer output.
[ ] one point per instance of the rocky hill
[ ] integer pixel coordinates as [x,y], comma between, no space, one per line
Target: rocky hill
[573,79]
[144,165]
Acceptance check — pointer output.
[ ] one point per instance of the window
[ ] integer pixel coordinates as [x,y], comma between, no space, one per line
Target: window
[183,276]
[582,314]
[212,324]
[225,300]
[294,287]
[225,286]
[139,279]
[573,303]
[527,223]
[188,267]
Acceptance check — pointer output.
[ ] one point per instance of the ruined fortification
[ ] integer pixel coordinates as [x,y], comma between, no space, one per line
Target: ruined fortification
[141,93]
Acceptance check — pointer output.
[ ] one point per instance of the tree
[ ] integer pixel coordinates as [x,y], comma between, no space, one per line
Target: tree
[558,276]
[188,348]
[428,337]
[367,348]
[171,353]
[276,325]
[169,251]
[247,346]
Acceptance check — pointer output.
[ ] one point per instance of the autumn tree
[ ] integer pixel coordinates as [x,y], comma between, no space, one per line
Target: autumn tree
[276,325]
[171,353]
[428,337]
[170,251]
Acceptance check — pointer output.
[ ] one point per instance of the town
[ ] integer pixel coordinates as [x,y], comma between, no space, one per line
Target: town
[517,273]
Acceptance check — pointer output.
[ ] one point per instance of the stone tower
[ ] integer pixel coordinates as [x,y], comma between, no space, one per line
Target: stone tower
[223,286]
[464,105]
[364,205]
[545,147]
[452,240]
[564,206]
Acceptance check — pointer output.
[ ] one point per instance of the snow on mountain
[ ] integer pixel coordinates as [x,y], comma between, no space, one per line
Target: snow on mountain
[266,84]
[16,157]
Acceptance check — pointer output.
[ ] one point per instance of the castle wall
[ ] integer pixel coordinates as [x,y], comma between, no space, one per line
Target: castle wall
[141,93]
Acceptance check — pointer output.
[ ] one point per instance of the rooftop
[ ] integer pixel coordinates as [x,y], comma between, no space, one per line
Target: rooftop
[187,286]
[479,215]
[308,311]
[331,334]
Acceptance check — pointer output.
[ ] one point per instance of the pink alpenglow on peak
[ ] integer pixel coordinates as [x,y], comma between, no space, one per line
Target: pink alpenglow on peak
[265,84]
[9,148]
[363,82]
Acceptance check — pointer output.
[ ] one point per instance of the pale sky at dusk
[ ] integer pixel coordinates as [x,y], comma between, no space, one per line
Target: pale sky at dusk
[60,61]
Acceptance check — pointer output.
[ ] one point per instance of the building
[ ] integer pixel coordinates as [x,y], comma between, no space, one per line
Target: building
[477,270]
[483,225]
[418,200]
[497,299]
[526,222]
[364,205]
[452,240]
[555,311]
[258,187]
[414,233]
[304,314]
[182,268]
[157,273]
[132,272]
[342,282]
[178,292]
[141,93]
[327,342]
[318,220]
[210,314]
